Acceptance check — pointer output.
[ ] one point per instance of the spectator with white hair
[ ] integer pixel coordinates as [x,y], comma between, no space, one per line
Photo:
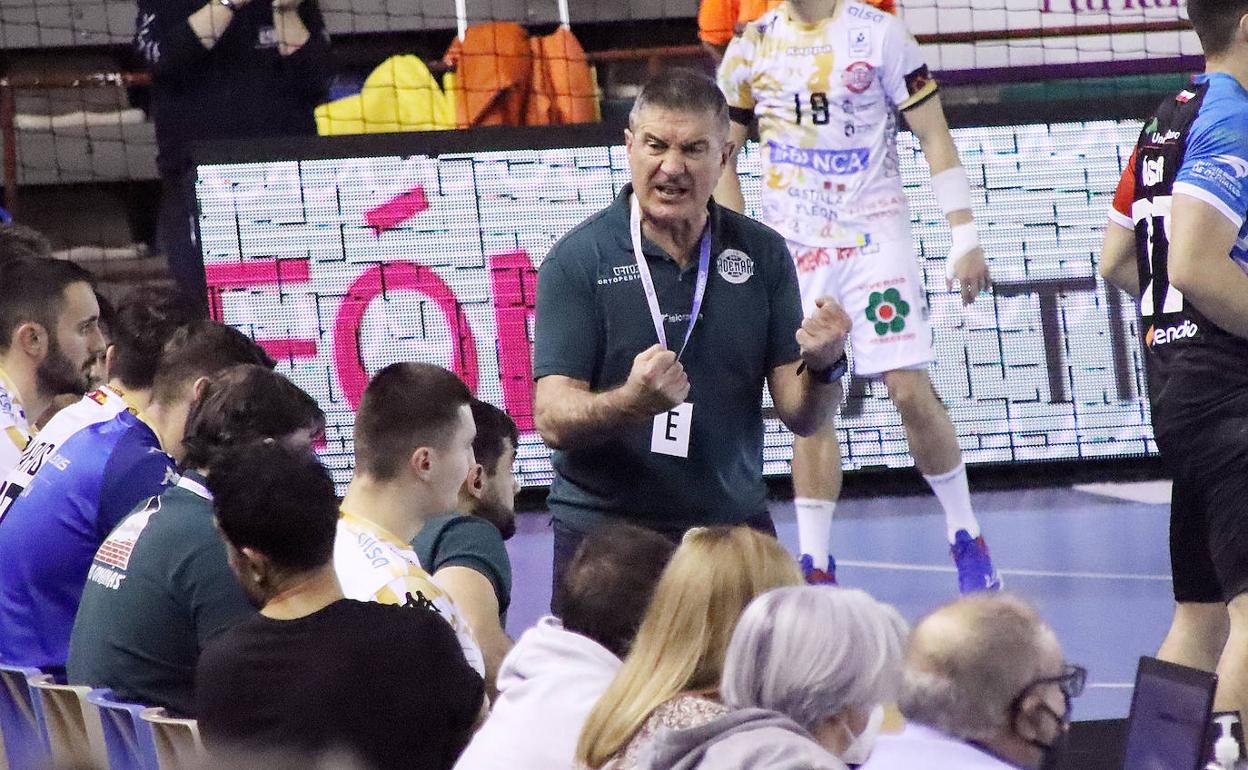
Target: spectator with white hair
[984,688]
[823,714]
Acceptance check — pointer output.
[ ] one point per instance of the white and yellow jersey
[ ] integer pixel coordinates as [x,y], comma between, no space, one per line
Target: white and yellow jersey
[375,566]
[826,97]
[15,431]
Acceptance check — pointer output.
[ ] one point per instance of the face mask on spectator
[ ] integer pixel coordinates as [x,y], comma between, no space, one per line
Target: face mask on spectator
[1070,682]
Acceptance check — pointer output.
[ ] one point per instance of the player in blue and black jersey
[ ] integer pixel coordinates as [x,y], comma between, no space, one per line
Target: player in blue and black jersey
[1178,241]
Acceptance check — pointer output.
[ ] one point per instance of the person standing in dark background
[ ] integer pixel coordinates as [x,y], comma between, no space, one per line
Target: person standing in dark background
[224,69]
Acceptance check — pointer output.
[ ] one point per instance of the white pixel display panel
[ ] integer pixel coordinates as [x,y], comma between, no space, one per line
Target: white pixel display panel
[341,266]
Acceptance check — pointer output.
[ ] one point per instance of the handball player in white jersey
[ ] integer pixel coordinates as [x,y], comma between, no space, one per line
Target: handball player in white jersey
[825,79]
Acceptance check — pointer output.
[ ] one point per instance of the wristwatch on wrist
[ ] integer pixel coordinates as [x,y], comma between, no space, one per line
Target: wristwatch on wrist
[228,4]
[830,375]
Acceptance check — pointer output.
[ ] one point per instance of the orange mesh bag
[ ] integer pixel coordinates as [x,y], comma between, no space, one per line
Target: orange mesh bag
[563,89]
[493,69]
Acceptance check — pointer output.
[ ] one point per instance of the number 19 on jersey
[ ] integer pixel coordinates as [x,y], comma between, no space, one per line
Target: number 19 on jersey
[818,109]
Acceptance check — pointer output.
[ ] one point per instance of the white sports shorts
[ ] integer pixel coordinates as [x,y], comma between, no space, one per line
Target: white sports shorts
[881,288]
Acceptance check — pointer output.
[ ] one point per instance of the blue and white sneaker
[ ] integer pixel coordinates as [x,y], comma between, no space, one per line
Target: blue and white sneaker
[975,570]
[817,577]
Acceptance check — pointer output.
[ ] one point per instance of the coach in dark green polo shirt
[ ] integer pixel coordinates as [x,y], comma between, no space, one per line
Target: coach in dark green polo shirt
[656,417]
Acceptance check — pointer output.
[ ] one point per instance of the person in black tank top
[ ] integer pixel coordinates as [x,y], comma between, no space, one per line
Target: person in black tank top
[1178,241]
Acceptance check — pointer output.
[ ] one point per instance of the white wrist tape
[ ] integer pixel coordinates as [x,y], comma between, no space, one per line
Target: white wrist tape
[952,189]
[965,240]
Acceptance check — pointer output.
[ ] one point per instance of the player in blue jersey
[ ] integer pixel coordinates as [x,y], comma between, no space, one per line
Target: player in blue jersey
[51,532]
[1178,241]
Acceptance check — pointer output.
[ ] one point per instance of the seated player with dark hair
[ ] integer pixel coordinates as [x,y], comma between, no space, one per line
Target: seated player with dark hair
[50,534]
[464,550]
[558,670]
[138,330]
[49,337]
[159,588]
[314,670]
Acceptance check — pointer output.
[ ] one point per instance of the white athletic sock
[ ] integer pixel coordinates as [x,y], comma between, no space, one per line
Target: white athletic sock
[955,497]
[814,528]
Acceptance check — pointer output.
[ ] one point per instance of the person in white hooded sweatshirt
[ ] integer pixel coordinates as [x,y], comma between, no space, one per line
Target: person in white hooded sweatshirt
[559,669]
[822,715]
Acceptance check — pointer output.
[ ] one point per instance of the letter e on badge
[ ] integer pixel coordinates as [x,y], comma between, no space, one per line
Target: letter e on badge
[670,435]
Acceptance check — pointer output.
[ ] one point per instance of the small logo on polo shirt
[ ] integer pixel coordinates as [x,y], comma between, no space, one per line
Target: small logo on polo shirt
[621,274]
[734,266]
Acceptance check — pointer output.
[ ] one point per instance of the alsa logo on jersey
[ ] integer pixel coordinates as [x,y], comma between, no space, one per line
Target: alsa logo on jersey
[866,14]
[373,550]
[1238,165]
[1184,97]
[1154,171]
[858,76]
[838,162]
[1158,337]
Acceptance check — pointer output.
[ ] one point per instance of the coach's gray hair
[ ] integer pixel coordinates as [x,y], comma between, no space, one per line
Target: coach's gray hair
[969,660]
[682,90]
[811,651]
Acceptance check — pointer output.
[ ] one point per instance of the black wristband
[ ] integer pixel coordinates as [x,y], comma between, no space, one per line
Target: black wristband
[830,375]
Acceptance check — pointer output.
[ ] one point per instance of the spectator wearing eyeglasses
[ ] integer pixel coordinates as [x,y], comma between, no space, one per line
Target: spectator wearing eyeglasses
[984,688]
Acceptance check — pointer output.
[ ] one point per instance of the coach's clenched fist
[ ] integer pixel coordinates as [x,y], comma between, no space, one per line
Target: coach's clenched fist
[822,335]
[657,382]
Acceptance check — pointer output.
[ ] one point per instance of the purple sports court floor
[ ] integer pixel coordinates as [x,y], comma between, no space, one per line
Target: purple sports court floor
[1095,560]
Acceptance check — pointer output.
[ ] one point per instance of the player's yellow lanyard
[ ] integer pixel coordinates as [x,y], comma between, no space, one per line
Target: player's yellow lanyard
[378,531]
[19,437]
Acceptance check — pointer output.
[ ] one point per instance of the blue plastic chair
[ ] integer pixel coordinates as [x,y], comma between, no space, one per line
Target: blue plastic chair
[127,736]
[21,718]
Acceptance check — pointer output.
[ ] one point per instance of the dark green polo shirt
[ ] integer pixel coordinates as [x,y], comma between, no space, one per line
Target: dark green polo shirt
[592,320]
[460,540]
[159,590]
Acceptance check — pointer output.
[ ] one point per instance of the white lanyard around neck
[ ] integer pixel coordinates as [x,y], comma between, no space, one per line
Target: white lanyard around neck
[647,281]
